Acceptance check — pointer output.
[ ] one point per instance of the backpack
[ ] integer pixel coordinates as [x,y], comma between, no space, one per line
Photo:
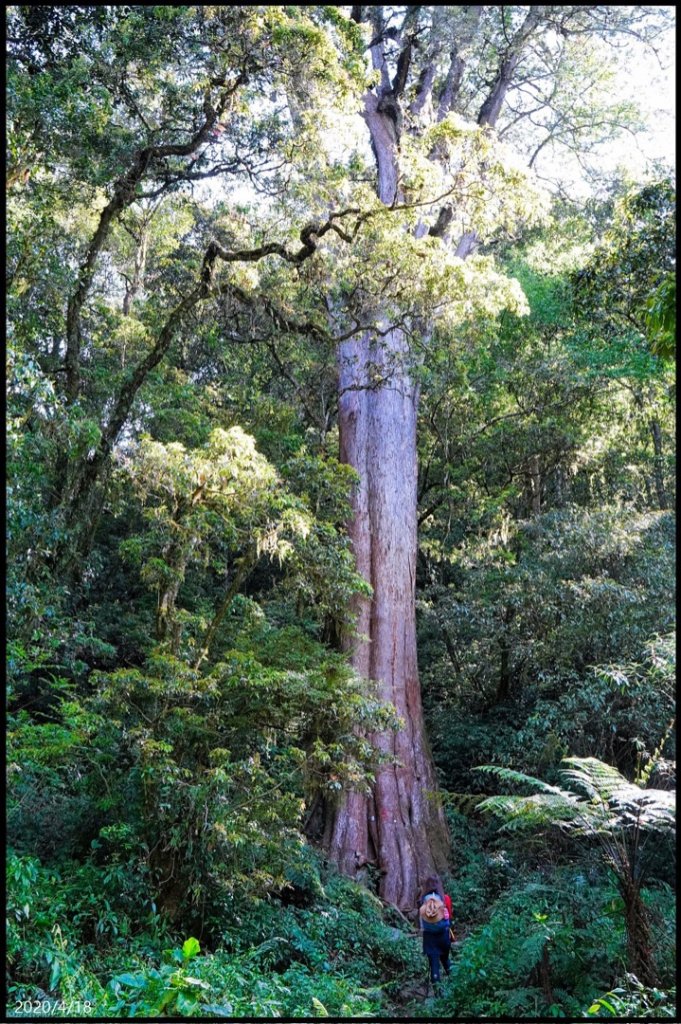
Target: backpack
[448,908]
[432,911]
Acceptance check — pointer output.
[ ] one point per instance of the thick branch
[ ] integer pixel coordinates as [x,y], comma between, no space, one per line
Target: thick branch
[90,471]
[491,108]
[452,83]
[124,193]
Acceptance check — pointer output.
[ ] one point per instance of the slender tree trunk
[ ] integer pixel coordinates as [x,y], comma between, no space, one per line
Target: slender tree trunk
[504,685]
[534,485]
[134,285]
[177,558]
[640,959]
[245,565]
[505,675]
[658,464]
[124,190]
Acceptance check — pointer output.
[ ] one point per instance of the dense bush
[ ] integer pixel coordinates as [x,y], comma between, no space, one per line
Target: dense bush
[337,954]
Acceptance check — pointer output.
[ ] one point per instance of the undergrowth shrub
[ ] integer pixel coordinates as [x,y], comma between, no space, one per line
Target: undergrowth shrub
[546,946]
[336,954]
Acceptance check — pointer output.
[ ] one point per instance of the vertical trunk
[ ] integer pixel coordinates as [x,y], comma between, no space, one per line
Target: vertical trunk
[245,565]
[649,493]
[165,609]
[658,474]
[176,557]
[80,498]
[534,480]
[401,826]
[504,685]
[491,108]
[640,959]
[347,826]
[134,286]
[540,975]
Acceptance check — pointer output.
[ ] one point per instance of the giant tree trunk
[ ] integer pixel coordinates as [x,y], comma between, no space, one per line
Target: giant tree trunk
[401,826]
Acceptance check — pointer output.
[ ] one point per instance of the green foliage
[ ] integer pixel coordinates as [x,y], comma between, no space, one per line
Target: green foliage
[617,815]
[544,946]
[661,318]
[634,1001]
[538,926]
[479,872]
[169,990]
[610,805]
[562,598]
[629,281]
[223,775]
[290,961]
[619,710]
[179,573]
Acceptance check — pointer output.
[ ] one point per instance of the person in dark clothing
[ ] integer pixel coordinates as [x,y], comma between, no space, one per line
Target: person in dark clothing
[436,937]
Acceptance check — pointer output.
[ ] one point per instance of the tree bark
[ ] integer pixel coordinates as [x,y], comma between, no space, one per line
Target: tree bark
[505,674]
[640,958]
[245,564]
[658,464]
[177,558]
[401,826]
[534,485]
[133,285]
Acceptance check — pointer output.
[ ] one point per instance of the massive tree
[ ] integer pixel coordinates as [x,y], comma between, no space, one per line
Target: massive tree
[430,65]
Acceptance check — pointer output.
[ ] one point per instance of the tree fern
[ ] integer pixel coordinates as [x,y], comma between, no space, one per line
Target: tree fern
[618,814]
[612,804]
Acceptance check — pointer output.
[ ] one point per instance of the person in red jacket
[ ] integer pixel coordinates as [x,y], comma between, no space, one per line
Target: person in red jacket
[436,937]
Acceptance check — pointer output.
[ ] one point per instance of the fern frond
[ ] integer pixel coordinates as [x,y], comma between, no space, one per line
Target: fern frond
[541,809]
[597,779]
[612,804]
[510,775]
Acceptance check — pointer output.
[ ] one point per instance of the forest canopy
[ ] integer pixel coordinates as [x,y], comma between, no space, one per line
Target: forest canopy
[340,508]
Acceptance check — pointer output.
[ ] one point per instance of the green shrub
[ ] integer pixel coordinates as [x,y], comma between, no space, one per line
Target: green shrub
[554,937]
[633,1001]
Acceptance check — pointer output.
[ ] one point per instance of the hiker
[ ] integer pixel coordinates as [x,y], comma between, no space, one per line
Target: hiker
[435,915]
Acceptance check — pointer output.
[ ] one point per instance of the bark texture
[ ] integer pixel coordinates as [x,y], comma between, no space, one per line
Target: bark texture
[401,827]
[658,464]
[640,957]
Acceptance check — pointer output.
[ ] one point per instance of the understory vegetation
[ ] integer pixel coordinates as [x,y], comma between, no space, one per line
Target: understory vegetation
[181,586]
